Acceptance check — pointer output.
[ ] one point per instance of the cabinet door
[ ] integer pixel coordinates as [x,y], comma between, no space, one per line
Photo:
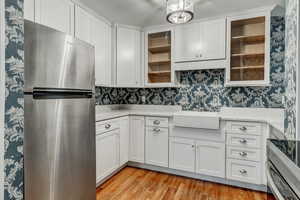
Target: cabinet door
[210,158]
[124,140]
[137,139]
[128,57]
[29,9]
[57,14]
[101,39]
[213,40]
[182,154]
[157,150]
[83,24]
[187,42]
[107,154]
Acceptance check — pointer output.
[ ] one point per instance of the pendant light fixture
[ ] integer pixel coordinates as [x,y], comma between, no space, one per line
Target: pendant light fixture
[180,11]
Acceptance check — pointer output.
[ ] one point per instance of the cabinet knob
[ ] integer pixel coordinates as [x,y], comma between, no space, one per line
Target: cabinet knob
[200,55]
[243,171]
[156,130]
[243,141]
[243,154]
[156,122]
[243,128]
[107,126]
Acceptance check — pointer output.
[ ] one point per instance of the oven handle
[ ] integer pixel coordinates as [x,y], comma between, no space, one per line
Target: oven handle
[273,187]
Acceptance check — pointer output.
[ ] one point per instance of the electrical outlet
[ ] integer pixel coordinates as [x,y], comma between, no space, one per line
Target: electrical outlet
[143,99]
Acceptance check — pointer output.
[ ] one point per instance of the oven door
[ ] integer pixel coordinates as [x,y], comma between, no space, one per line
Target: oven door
[278,185]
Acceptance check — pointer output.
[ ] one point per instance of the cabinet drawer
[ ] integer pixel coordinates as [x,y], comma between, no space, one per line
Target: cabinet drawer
[245,141]
[102,127]
[247,128]
[157,121]
[243,154]
[244,171]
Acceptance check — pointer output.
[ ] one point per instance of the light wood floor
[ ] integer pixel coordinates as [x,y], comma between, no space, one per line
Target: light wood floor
[138,184]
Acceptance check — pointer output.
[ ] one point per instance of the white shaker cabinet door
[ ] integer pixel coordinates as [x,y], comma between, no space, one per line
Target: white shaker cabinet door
[107,154]
[182,154]
[137,139]
[101,39]
[187,42]
[124,140]
[157,150]
[128,57]
[213,40]
[57,14]
[29,10]
[210,158]
[83,24]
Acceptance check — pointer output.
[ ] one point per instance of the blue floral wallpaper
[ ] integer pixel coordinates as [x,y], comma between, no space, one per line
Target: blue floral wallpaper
[291,64]
[14,102]
[204,90]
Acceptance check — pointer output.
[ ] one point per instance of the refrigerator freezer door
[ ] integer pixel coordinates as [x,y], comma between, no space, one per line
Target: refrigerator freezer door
[59,149]
[56,60]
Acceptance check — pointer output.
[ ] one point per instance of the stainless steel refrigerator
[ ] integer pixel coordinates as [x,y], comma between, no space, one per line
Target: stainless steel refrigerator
[59,142]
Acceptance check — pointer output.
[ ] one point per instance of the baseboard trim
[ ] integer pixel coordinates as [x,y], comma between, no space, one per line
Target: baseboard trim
[261,188]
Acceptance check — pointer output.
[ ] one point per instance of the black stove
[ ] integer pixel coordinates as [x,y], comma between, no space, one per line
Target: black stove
[284,169]
[290,148]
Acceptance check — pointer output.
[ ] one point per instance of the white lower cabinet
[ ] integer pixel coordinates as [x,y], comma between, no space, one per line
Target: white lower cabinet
[107,153]
[157,147]
[182,154]
[124,140]
[137,139]
[210,158]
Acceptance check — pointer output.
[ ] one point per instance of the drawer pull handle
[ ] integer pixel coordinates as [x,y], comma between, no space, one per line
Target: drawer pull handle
[243,171]
[243,128]
[243,154]
[156,122]
[243,141]
[156,130]
[107,126]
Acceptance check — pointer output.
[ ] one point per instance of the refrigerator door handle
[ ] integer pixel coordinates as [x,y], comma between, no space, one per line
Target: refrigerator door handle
[41,93]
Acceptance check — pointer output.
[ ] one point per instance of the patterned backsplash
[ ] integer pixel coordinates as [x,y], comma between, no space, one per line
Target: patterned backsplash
[204,90]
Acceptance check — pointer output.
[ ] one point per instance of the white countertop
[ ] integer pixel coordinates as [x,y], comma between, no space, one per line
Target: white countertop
[273,117]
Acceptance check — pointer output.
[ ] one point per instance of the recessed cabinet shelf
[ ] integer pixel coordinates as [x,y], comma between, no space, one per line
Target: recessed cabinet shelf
[247,44]
[248,54]
[160,62]
[159,58]
[247,67]
[160,49]
[249,38]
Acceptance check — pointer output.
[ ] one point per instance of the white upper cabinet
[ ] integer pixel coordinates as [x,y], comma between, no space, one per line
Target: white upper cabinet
[213,40]
[83,25]
[201,41]
[128,57]
[187,42]
[29,10]
[57,14]
[249,49]
[101,39]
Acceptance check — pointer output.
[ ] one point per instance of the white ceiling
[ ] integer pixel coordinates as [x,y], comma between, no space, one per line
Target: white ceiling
[152,12]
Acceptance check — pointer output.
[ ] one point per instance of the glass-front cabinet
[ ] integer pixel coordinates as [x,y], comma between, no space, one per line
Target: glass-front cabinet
[249,49]
[158,59]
